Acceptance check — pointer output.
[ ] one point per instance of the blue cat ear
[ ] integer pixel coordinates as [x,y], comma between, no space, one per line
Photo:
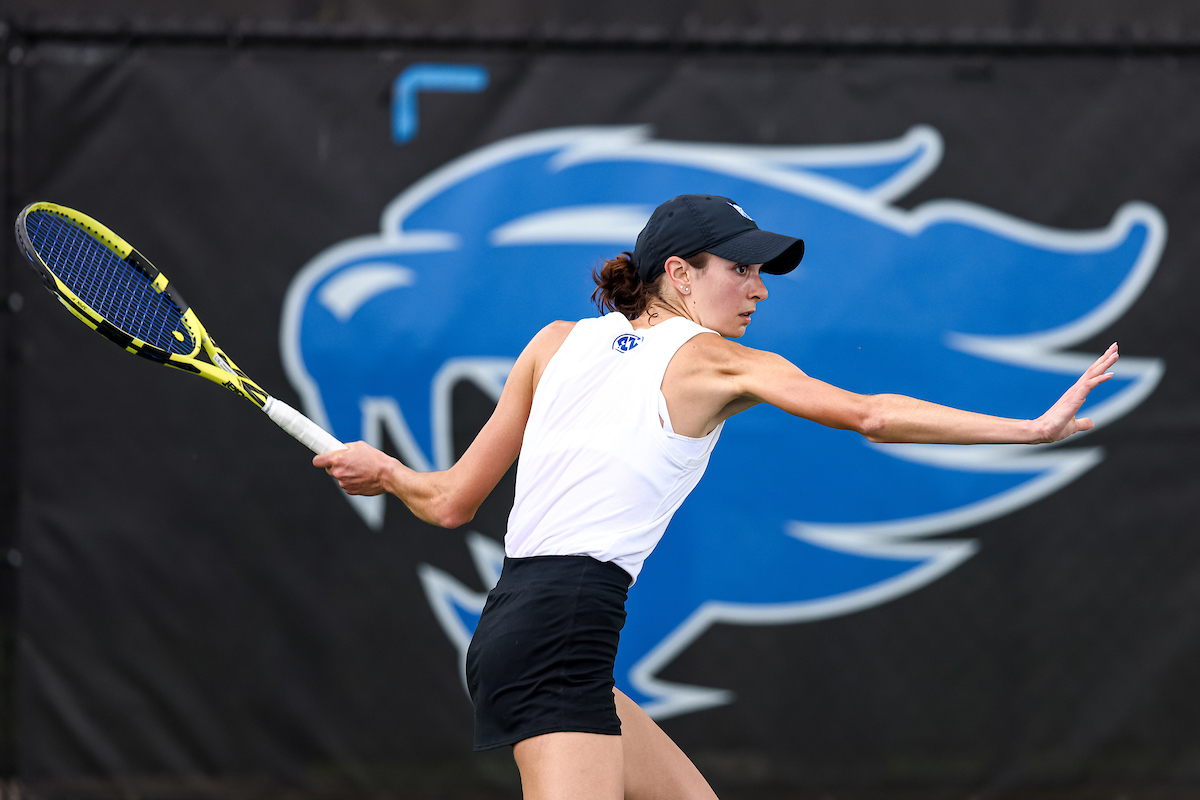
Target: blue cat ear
[884,170]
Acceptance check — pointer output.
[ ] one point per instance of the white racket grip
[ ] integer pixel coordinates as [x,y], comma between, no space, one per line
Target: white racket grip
[309,433]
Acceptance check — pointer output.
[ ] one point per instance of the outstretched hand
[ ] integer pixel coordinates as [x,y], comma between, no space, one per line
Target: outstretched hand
[1059,422]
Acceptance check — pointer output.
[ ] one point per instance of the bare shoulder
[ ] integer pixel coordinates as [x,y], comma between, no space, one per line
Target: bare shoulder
[710,352]
[557,330]
[546,342]
[544,345]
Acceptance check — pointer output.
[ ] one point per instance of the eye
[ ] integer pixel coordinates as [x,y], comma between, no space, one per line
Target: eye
[742,269]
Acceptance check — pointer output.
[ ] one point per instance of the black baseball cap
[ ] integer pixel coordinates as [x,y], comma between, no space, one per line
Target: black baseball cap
[697,223]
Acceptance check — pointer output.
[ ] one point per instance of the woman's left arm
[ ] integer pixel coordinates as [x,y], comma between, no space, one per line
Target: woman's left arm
[765,377]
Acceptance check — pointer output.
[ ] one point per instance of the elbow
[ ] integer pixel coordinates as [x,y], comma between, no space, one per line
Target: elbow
[872,430]
[870,421]
[448,514]
[433,498]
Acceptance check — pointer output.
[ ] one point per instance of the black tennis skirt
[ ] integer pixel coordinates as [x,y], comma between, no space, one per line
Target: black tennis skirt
[541,660]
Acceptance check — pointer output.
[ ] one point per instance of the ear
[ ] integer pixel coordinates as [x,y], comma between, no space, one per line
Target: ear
[678,273]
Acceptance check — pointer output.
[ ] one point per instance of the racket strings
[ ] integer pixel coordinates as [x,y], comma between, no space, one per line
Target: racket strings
[118,291]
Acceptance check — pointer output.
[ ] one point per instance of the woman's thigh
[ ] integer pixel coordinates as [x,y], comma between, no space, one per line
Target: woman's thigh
[640,764]
[570,766]
[654,766]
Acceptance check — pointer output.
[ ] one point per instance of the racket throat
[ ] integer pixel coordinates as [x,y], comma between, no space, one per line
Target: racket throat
[241,383]
[224,364]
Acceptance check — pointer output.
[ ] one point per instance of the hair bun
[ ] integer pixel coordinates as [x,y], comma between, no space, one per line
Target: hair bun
[619,288]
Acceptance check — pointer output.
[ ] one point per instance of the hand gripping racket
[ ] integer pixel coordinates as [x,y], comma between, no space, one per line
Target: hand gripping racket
[116,292]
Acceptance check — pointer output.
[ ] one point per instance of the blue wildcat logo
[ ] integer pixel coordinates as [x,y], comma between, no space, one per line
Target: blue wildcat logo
[948,301]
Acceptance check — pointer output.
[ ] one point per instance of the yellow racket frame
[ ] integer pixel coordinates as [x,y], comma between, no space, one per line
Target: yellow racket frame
[221,371]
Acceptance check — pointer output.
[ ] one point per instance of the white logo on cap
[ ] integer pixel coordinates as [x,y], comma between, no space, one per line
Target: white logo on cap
[738,209]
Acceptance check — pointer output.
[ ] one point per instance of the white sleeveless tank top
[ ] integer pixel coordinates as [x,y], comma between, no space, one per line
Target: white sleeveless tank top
[599,474]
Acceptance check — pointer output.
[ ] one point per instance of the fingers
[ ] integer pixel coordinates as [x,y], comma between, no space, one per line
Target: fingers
[327,461]
[352,468]
[1106,360]
[1098,372]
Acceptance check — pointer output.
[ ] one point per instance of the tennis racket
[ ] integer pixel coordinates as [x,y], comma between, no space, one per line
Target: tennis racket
[117,292]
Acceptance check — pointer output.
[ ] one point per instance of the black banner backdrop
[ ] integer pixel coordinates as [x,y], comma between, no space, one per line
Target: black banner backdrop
[202,614]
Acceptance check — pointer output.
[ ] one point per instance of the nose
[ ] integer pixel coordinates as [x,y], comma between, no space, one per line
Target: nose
[758,289]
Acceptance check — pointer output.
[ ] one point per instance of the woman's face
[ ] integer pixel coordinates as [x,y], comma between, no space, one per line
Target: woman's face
[723,295]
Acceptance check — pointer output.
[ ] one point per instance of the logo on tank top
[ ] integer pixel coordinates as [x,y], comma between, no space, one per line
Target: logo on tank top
[626,342]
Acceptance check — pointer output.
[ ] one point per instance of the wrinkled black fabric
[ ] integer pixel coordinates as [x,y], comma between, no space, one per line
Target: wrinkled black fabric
[542,657]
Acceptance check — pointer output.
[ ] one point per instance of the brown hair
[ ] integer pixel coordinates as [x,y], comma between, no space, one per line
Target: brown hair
[620,288]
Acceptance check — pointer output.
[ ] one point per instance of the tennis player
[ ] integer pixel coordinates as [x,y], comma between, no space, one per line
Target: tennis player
[614,419]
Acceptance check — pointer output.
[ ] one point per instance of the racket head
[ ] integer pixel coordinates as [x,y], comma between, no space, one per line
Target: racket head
[107,284]
[117,292]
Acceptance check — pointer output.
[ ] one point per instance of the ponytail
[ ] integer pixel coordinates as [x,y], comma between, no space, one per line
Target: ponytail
[620,288]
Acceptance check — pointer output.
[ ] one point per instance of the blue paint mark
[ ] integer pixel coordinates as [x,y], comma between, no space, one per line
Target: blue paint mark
[429,78]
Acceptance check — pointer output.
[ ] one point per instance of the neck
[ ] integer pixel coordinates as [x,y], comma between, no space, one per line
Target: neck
[660,311]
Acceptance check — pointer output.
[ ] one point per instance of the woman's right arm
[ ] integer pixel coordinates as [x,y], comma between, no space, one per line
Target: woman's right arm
[449,498]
